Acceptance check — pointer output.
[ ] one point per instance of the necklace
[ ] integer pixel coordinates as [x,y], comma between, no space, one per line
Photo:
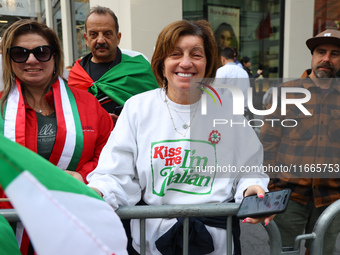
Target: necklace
[37,109]
[185,126]
[46,112]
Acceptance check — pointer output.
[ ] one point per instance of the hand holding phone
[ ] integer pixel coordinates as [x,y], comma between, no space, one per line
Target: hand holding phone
[274,202]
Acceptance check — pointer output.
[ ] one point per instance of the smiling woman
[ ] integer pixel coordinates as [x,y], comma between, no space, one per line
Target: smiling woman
[190,52]
[186,61]
[34,70]
[155,150]
[39,111]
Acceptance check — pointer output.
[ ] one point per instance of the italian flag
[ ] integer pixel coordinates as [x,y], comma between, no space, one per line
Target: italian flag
[61,215]
[8,243]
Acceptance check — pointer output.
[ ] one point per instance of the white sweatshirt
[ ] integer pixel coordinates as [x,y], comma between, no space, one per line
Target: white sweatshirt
[146,158]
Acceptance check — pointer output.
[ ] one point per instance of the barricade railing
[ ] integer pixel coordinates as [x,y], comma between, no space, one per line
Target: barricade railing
[211,210]
[321,226]
[317,236]
[180,211]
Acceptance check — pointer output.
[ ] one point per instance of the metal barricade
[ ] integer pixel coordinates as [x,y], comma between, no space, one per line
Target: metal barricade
[317,236]
[321,226]
[180,211]
[229,209]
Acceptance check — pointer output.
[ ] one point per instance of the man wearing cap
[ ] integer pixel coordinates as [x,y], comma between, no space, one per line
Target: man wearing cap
[305,149]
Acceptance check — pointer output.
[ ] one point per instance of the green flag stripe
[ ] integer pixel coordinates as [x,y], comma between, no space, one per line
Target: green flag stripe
[133,75]
[2,121]
[79,132]
[8,242]
[14,159]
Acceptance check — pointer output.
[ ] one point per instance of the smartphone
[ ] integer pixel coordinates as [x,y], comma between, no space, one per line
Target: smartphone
[274,202]
[118,109]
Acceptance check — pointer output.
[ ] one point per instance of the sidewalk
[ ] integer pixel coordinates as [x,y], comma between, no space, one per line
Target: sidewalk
[254,241]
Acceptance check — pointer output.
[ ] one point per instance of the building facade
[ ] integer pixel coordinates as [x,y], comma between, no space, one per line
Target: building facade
[271,32]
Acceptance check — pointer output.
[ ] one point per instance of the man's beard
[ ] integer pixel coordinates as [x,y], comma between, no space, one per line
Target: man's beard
[322,73]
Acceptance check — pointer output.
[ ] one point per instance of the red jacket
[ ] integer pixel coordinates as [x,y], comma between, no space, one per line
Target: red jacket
[96,124]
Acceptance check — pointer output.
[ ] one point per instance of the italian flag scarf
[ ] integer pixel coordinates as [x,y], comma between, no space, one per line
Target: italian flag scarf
[61,214]
[8,243]
[133,75]
[68,146]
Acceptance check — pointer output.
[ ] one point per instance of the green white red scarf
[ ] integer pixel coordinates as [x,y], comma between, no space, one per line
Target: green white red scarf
[69,141]
[133,75]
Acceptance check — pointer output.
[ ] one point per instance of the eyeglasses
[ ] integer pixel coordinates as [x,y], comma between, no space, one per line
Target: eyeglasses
[20,55]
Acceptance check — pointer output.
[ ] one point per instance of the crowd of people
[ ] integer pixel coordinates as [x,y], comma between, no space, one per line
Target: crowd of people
[132,131]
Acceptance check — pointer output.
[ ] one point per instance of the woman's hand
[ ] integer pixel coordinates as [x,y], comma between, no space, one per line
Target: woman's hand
[80,178]
[259,191]
[97,190]
[75,175]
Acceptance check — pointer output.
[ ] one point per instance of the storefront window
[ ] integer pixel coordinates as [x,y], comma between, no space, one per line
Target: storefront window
[326,15]
[41,13]
[79,11]
[11,11]
[57,24]
[251,26]
[82,8]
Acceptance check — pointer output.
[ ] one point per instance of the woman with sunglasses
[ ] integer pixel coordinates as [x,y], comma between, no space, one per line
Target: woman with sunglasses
[67,126]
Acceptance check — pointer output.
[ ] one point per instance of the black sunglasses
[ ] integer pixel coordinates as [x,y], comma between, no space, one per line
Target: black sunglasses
[20,55]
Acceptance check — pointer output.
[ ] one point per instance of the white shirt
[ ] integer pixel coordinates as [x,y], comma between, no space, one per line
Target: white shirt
[146,158]
[231,74]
